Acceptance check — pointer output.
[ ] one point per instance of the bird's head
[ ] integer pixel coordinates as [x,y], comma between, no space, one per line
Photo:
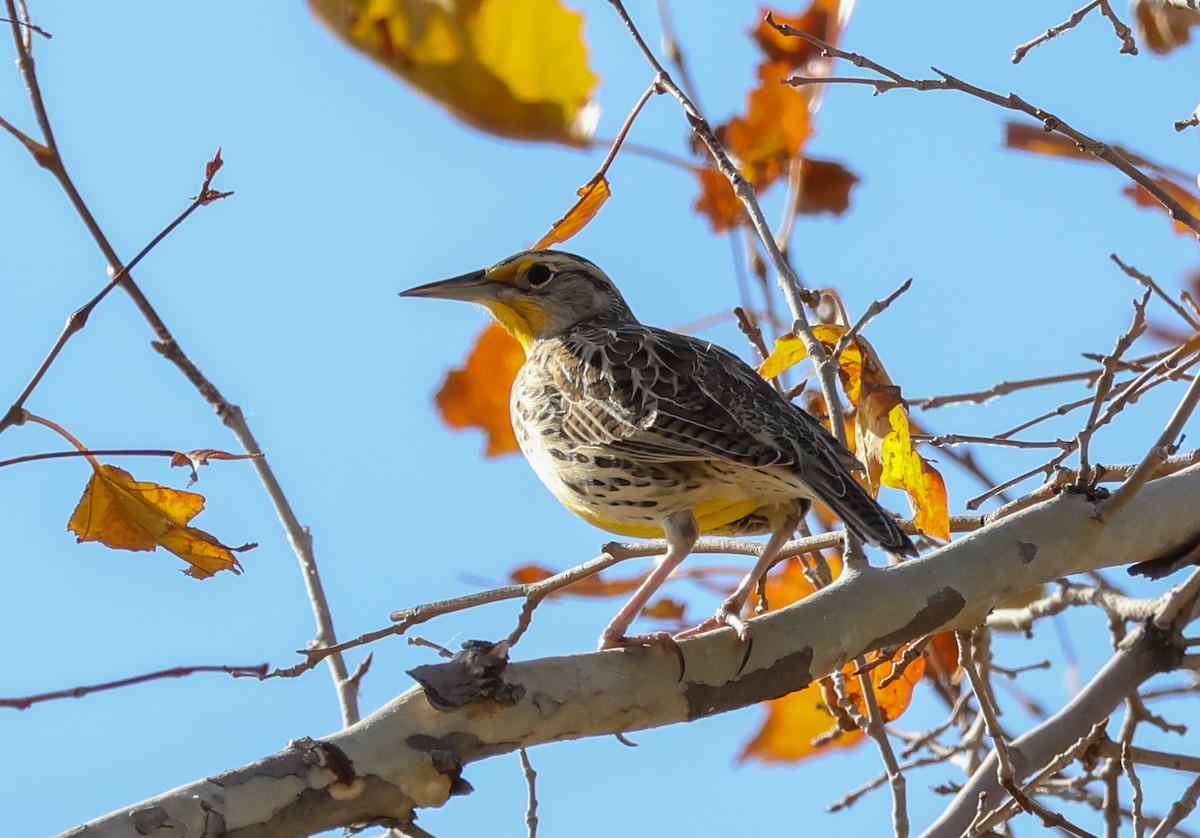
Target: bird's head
[536,294]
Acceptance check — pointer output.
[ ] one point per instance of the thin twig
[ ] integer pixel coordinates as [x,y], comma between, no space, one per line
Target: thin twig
[1147,281]
[1167,444]
[1053,32]
[874,310]
[298,536]
[174,672]
[531,806]
[1104,384]
[877,730]
[1127,44]
[1049,121]
[1179,810]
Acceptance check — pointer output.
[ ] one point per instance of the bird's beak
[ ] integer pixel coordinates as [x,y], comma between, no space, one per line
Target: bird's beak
[474,287]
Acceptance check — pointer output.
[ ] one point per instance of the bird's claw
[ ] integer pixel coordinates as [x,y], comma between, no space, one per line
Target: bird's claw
[661,639]
[727,616]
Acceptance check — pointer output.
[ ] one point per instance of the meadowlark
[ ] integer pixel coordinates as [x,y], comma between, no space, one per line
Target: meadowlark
[648,433]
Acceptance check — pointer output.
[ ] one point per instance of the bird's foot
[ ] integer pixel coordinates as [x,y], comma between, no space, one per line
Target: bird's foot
[661,639]
[727,616]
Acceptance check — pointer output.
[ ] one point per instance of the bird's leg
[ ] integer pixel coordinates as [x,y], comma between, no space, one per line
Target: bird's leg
[730,612]
[681,531]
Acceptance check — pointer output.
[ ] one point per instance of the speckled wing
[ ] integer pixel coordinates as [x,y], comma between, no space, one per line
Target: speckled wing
[658,396]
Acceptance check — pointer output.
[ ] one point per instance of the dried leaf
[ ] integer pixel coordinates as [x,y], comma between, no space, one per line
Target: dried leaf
[596,585]
[717,201]
[825,187]
[774,129]
[941,656]
[516,68]
[794,721]
[1163,25]
[904,468]
[200,457]
[824,18]
[665,610]
[1185,193]
[125,514]
[882,440]
[592,196]
[1035,139]
[477,395]
[214,165]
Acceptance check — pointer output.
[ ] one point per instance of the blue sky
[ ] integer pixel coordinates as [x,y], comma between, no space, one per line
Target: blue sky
[349,188]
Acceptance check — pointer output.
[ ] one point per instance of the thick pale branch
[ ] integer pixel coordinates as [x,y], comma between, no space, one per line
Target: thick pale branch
[409,755]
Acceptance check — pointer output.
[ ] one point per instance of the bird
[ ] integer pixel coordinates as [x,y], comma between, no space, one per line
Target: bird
[649,433]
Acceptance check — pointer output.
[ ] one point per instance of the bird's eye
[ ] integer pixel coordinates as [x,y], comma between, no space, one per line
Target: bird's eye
[539,275]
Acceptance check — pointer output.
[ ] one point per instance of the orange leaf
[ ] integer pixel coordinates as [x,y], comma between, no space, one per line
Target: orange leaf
[820,19]
[1021,136]
[516,68]
[1184,194]
[528,573]
[476,396]
[795,720]
[589,586]
[825,187]
[718,201]
[774,129]
[592,196]
[943,650]
[665,610]
[125,514]
[790,584]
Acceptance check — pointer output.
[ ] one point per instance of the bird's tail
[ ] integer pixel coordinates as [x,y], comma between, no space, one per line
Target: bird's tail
[864,517]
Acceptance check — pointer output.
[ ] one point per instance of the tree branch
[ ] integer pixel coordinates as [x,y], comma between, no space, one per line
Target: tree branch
[409,754]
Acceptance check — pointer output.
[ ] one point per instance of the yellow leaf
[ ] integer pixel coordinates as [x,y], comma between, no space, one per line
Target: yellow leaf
[125,514]
[516,68]
[789,350]
[476,396]
[592,196]
[904,468]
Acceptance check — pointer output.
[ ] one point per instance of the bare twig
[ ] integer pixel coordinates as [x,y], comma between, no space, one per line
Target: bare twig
[46,154]
[1053,32]
[874,310]
[1139,826]
[876,729]
[1128,47]
[1167,444]
[1190,122]
[531,806]
[1179,810]
[1050,122]
[1105,382]
[1087,376]
[174,672]
[1147,281]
